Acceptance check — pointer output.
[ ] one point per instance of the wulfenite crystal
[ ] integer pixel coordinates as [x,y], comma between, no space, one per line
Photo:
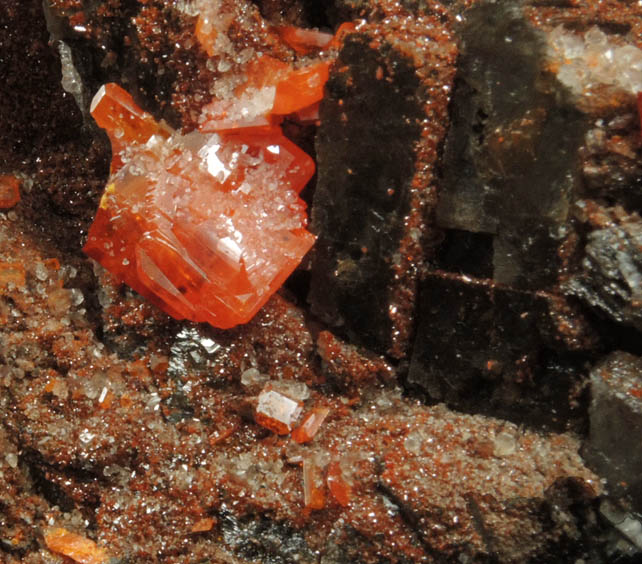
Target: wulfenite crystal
[205,225]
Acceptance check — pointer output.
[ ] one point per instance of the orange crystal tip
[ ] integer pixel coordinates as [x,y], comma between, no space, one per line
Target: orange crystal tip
[311,424]
[9,191]
[203,525]
[302,88]
[303,40]
[115,111]
[80,549]
[206,34]
[344,29]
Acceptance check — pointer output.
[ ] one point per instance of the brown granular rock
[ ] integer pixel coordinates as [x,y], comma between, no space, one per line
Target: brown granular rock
[349,368]
[108,441]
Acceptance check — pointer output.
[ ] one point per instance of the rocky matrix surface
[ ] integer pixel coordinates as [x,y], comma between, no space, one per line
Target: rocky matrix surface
[453,373]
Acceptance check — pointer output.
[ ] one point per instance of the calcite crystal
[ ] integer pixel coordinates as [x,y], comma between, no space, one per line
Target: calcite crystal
[276,411]
[584,63]
[207,227]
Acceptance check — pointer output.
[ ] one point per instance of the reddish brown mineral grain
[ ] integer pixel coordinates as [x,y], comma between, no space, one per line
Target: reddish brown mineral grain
[9,191]
[11,273]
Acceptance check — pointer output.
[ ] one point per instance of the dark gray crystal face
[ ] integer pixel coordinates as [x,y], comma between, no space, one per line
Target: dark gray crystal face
[488,349]
[611,276]
[366,160]
[510,162]
[616,424]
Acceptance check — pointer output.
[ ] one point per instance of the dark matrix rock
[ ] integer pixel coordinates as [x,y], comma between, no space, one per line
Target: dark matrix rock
[383,119]
[510,158]
[490,349]
[611,276]
[365,153]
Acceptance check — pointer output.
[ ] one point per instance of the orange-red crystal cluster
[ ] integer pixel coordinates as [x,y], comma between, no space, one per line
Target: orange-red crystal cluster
[280,414]
[273,88]
[208,225]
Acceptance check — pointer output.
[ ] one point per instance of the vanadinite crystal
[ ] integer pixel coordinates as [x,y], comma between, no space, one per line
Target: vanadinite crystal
[206,225]
[74,546]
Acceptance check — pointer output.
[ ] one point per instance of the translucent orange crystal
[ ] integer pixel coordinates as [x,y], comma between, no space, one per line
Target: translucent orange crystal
[313,486]
[303,40]
[272,89]
[338,484]
[74,546]
[311,424]
[203,525]
[207,227]
[302,88]
[9,191]
[125,123]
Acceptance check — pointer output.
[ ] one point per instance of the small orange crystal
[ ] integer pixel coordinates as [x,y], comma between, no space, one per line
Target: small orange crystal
[9,191]
[313,487]
[203,525]
[338,484]
[207,227]
[302,88]
[303,40]
[310,425]
[74,546]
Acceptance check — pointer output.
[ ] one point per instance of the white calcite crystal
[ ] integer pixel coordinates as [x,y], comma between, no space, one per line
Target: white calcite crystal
[277,412]
[593,59]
